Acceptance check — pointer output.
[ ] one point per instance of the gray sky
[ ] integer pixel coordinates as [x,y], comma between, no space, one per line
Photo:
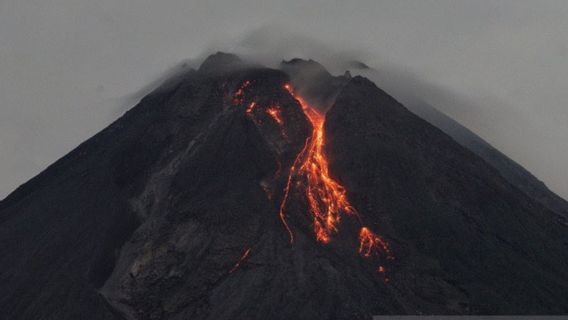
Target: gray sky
[70,67]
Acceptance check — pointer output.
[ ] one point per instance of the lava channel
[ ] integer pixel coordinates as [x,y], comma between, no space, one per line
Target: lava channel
[327,199]
[241,259]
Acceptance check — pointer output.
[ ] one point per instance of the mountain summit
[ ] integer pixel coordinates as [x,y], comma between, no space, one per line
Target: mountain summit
[237,191]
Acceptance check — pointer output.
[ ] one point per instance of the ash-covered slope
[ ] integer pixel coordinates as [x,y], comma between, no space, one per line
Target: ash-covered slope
[199,204]
[509,169]
[402,86]
[504,250]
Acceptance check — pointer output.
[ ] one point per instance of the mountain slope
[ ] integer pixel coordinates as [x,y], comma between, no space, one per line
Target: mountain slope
[509,169]
[199,203]
[408,88]
[503,249]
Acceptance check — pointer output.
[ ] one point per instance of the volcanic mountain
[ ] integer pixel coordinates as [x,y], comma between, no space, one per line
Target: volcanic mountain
[238,191]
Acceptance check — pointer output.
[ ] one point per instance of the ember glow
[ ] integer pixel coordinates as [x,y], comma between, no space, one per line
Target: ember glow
[251,107]
[371,244]
[274,113]
[240,92]
[326,198]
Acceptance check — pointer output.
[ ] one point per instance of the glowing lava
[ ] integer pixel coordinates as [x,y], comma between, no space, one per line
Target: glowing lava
[371,244]
[251,107]
[327,199]
[242,258]
[238,97]
[274,112]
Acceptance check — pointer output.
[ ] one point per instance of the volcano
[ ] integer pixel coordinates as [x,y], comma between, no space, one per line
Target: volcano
[237,191]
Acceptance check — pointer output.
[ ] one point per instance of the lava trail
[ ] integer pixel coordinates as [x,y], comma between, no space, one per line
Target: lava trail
[309,173]
[241,259]
[327,199]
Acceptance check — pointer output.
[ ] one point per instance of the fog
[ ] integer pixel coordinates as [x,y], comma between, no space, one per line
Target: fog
[70,67]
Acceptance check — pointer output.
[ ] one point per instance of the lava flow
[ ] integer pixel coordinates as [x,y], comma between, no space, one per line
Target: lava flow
[274,112]
[327,199]
[371,244]
[241,259]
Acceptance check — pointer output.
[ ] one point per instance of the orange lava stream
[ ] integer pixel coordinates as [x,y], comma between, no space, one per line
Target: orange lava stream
[243,257]
[326,198]
[287,191]
[371,244]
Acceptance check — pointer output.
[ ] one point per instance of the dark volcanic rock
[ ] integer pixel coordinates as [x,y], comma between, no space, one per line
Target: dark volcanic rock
[172,212]
[445,205]
[509,169]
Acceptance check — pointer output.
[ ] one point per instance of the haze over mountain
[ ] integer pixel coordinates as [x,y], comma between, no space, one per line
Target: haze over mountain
[67,64]
[238,191]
